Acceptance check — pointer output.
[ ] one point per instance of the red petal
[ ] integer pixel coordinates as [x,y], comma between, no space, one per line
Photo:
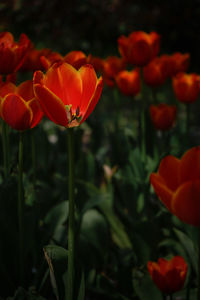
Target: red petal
[37,113]
[186,203]
[7,88]
[89,83]
[94,99]
[15,112]
[25,90]
[51,105]
[169,171]
[162,191]
[65,82]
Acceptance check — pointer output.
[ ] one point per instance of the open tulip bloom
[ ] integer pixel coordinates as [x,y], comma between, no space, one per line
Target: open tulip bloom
[177,184]
[67,96]
[169,276]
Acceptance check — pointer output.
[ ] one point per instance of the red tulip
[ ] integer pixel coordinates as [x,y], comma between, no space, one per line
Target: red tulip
[129,82]
[177,184]
[156,72]
[139,48]
[18,105]
[12,54]
[32,61]
[179,63]
[67,96]
[112,65]
[163,116]
[186,87]
[97,63]
[169,276]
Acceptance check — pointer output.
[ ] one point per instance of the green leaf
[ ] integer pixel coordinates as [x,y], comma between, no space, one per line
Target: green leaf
[81,293]
[146,289]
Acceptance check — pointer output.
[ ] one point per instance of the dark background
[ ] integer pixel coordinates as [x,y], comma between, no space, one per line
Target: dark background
[94,26]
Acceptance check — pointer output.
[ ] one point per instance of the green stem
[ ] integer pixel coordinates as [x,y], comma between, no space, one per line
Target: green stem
[187,119]
[198,281]
[143,123]
[71,214]
[5,148]
[33,153]
[21,209]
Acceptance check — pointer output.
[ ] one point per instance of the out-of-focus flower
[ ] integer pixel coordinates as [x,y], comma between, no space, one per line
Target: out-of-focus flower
[67,96]
[186,87]
[179,63]
[177,184]
[128,82]
[97,62]
[156,72]
[169,276]
[18,105]
[139,48]
[112,65]
[163,116]
[32,61]
[12,53]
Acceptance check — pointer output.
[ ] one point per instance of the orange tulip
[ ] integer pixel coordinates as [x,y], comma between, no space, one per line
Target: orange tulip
[169,276]
[177,184]
[18,105]
[139,48]
[163,116]
[156,72]
[179,63]
[12,54]
[67,96]
[129,82]
[186,87]
[32,61]
[112,65]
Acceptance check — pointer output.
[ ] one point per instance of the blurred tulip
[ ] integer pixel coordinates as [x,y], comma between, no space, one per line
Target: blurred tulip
[12,53]
[32,61]
[128,82]
[179,63]
[67,96]
[163,116]
[139,48]
[18,105]
[97,62]
[156,72]
[169,276]
[186,87]
[112,65]
[177,184]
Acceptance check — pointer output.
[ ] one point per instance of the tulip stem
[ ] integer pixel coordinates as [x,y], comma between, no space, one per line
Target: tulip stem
[5,149]
[71,214]
[187,119]
[33,153]
[21,208]
[142,116]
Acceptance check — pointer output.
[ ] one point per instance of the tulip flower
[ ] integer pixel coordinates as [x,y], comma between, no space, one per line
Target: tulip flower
[163,116]
[129,82]
[179,63]
[67,96]
[186,87]
[12,53]
[156,72]
[169,276]
[177,184]
[18,106]
[139,48]
[112,65]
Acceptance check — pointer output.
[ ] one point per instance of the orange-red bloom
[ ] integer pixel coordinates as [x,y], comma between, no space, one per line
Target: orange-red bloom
[169,276]
[177,184]
[156,72]
[18,106]
[12,54]
[179,63]
[128,82]
[163,116]
[139,48]
[67,96]
[112,65]
[32,61]
[186,87]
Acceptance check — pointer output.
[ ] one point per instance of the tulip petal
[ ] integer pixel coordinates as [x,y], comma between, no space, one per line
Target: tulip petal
[7,88]
[37,113]
[186,203]
[65,82]
[162,191]
[16,112]
[169,171]
[94,99]
[25,90]
[51,105]
[190,165]
[89,83]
